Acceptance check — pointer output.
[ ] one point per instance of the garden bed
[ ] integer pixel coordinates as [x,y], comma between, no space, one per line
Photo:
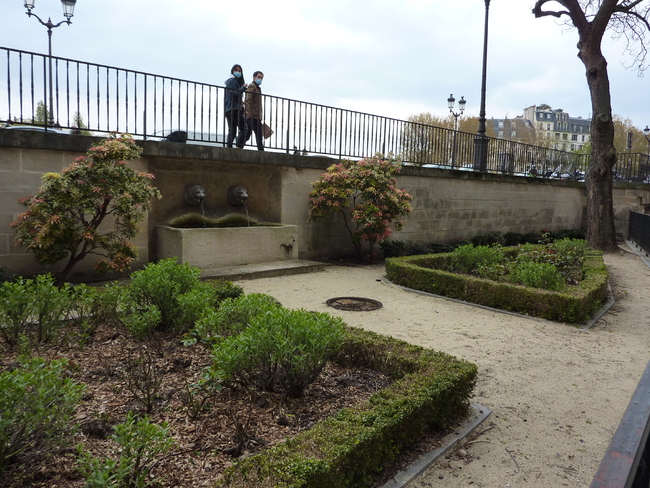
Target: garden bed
[576,304]
[378,392]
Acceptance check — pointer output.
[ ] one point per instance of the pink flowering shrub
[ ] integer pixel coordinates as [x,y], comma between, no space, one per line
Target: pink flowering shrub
[366,195]
[63,219]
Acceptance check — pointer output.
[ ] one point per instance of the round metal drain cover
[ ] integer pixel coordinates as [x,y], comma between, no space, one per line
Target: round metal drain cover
[354,304]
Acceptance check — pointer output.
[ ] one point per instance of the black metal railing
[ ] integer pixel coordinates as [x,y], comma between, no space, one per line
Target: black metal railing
[626,463]
[639,230]
[106,99]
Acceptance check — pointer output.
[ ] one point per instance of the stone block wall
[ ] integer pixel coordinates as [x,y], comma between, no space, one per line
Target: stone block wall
[447,205]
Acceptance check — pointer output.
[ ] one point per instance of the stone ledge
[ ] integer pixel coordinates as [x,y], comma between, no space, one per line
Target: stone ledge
[263,270]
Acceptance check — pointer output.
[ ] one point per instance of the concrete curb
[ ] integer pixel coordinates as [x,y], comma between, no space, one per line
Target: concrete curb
[477,416]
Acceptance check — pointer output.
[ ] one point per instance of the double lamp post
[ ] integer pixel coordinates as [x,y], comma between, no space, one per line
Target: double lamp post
[68,12]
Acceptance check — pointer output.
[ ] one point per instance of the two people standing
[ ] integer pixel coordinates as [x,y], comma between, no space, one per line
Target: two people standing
[244,118]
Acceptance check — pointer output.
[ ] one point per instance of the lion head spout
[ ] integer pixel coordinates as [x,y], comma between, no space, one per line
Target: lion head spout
[194,194]
[237,195]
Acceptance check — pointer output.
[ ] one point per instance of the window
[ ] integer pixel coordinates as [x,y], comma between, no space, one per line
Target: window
[513,134]
[583,138]
[564,137]
[574,137]
[500,124]
[500,134]
[573,147]
[548,126]
[557,136]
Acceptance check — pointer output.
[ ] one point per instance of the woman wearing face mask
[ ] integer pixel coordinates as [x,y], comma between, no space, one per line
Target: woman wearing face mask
[254,109]
[235,87]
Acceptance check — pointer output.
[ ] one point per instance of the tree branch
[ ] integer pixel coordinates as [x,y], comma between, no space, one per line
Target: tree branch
[538,12]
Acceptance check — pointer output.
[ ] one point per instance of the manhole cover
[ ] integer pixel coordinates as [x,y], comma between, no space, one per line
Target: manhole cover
[354,304]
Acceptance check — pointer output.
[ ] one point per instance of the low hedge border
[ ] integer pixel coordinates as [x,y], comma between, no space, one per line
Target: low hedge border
[348,450]
[576,305]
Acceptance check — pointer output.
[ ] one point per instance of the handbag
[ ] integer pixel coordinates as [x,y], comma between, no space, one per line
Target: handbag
[266,131]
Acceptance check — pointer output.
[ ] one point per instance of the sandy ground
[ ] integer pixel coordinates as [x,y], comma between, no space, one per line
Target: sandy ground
[557,393]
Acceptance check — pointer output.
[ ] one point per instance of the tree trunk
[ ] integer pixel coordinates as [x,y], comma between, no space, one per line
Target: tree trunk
[601,232]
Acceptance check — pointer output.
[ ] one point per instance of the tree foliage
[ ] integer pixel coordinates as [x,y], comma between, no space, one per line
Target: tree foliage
[429,138]
[64,219]
[626,19]
[365,194]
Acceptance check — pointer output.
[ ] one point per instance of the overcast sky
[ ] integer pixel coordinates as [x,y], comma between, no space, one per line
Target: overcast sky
[385,57]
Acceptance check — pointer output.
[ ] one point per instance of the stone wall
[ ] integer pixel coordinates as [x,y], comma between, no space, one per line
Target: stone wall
[447,205]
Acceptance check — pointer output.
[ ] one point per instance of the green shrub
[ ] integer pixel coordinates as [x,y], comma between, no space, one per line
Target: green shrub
[281,350]
[36,407]
[466,258]
[93,306]
[224,289]
[33,307]
[174,290]
[539,275]
[232,317]
[566,255]
[489,239]
[141,445]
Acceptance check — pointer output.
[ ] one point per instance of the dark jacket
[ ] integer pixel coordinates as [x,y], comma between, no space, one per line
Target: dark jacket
[254,101]
[234,92]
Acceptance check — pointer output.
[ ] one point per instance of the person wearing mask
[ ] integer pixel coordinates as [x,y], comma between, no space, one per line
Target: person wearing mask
[254,109]
[235,87]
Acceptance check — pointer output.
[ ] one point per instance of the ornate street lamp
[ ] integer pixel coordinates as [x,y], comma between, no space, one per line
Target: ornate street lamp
[646,133]
[461,105]
[481,140]
[68,12]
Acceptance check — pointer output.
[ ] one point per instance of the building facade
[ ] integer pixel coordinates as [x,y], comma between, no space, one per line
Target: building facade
[565,133]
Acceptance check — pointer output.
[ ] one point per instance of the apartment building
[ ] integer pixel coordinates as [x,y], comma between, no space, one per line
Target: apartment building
[566,133]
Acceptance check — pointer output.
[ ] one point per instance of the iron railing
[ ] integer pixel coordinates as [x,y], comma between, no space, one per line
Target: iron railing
[639,230]
[108,99]
[626,463]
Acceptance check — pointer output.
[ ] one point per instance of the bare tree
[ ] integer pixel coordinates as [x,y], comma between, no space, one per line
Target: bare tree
[626,19]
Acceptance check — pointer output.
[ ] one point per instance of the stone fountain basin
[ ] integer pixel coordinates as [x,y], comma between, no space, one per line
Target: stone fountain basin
[227,246]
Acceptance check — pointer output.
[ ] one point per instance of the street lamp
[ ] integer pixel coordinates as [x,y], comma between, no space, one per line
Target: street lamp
[68,12]
[646,133]
[481,140]
[461,105]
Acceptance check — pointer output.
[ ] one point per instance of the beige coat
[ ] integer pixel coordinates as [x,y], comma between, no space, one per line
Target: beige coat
[253,101]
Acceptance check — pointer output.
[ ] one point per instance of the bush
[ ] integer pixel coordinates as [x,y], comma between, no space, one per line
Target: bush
[36,408]
[539,275]
[224,289]
[93,306]
[489,239]
[171,290]
[67,218]
[141,444]
[281,350]
[32,307]
[232,317]
[466,258]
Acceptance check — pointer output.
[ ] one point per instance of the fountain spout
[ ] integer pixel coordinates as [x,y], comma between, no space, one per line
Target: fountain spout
[237,195]
[194,195]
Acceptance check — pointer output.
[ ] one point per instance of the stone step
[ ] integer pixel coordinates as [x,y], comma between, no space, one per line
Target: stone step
[263,270]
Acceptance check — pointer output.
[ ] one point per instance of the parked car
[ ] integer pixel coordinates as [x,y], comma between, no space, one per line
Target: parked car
[36,128]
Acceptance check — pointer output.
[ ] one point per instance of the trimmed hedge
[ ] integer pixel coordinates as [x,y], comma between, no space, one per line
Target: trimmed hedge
[431,390]
[575,305]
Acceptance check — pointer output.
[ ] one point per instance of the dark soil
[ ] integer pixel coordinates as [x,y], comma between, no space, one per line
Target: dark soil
[235,423]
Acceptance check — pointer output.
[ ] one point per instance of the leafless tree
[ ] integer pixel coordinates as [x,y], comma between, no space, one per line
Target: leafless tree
[625,19]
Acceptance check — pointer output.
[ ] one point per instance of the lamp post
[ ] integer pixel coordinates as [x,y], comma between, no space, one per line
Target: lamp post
[646,133]
[481,140]
[461,105]
[68,12]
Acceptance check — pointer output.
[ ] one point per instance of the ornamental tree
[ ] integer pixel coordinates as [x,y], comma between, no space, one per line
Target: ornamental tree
[63,219]
[365,194]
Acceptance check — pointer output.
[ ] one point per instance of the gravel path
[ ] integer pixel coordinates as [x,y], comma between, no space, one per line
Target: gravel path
[557,393]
